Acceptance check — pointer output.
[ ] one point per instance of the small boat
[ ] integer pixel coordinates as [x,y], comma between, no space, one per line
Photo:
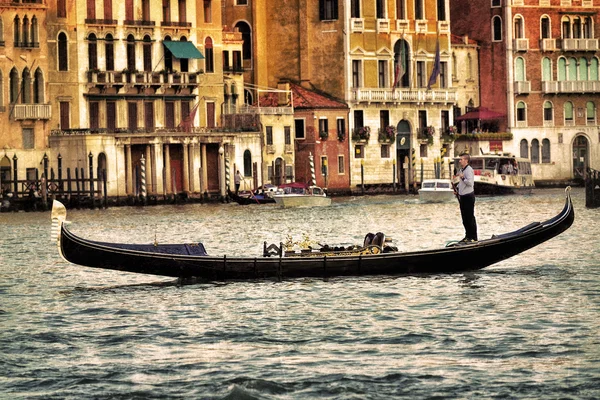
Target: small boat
[436,191]
[262,195]
[497,174]
[373,257]
[301,195]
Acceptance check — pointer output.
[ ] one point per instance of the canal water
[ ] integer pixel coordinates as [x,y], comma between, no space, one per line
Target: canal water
[527,327]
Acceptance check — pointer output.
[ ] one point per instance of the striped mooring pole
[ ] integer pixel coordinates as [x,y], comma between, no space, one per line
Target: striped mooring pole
[227,174]
[143,177]
[313,177]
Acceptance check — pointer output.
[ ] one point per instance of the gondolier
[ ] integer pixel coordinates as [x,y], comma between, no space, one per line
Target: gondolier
[465,179]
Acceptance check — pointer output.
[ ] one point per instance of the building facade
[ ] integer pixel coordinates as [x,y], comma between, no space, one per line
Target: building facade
[539,66]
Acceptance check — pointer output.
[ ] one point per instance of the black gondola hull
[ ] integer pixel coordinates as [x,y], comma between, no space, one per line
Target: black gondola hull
[446,260]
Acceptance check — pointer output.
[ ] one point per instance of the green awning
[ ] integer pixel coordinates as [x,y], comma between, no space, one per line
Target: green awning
[183,50]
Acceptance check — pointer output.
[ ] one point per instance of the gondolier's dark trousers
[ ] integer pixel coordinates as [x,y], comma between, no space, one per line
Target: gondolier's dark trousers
[467,211]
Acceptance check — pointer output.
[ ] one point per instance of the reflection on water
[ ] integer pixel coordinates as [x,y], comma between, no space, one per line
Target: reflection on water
[525,327]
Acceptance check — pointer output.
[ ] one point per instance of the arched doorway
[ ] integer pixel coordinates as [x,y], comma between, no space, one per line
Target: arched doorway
[403,146]
[5,175]
[278,171]
[580,157]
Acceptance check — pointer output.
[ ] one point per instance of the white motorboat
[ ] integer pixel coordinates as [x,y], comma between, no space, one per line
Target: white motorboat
[436,191]
[298,195]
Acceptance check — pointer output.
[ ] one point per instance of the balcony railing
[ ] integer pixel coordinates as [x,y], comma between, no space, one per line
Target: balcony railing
[521,44]
[138,22]
[402,25]
[580,44]
[31,111]
[385,95]
[95,21]
[548,44]
[522,87]
[266,110]
[571,86]
[101,78]
[383,25]
[176,24]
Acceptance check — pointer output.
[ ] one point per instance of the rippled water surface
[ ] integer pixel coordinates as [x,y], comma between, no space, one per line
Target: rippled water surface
[528,327]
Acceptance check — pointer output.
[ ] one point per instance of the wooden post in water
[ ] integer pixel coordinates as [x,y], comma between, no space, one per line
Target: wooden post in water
[104,188]
[362,175]
[91,167]
[405,166]
[69,191]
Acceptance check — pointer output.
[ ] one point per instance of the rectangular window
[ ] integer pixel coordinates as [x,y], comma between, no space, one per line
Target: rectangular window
[149,116]
[182,11]
[210,115]
[385,151]
[111,116]
[64,115]
[287,132]
[323,128]
[132,115]
[384,118]
[421,75]
[31,174]
[109,55]
[94,116]
[380,9]
[341,165]
[28,138]
[289,173]
[359,151]
[400,9]
[359,120]
[226,60]
[166,10]
[422,119]
[299,128]
[328,10]
[91,9]
[356,64]
[237,61]
[207,11]
[185,110]
[61,8]
[341,129]
[129,10]
[419,9]
[324,164]
[146,10]
[443,74]
[441,10]
[108,14]
[269,130]
[241,2]
[354,8]
[445,118]
[169,115]
[423,150]
[382,69]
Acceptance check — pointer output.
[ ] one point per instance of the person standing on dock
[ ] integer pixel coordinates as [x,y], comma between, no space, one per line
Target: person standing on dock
[466,197]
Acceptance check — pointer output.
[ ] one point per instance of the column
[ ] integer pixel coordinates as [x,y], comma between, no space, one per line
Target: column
[168,189]
[157,170]
[204,171]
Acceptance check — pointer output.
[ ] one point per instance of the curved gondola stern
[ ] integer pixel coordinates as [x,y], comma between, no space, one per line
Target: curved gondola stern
[59,217]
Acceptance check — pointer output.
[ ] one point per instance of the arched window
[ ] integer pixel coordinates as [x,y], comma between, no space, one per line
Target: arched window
[17,31]
[588,28]
[576,28]
[545,151]
[247,163]
[1,31]
[209,64]
[566,28]
[168,56]
[562,69]
[524,148]
[535,151]
[496,29]
[92,52]
[401,75]
[572,69]
[26,32]
[147,49]
[38,87]
[14,85]
[590,113]
[244,28]
[63,55]
[546,69]
[518,27]
[520,69]
[548,114]
[583,69]
[131,53]
[568,112]
[184,62]
[26,87]
[594,69]
[545,27]
[35,32]
[109,52]
[521,112]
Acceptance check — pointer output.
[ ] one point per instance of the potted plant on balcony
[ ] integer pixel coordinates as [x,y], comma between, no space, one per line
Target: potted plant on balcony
[341,136]
[387,134]
[361,134]
[323,135]
[450,135]
[426,134]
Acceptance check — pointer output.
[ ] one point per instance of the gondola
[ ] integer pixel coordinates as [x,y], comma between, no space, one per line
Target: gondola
[374,257]
[251,198]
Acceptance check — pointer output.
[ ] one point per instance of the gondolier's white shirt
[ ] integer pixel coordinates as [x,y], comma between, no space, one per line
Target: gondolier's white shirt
[466,184]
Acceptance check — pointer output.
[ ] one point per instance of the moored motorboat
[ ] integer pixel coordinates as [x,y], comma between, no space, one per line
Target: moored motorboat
[371,258]
[436,191]
[300,195]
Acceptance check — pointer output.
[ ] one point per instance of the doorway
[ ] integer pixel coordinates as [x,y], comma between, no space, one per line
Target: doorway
[580,157]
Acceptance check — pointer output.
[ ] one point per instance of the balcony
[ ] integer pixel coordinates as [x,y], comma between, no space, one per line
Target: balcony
[144,78]
[95,21]
[31,111]
[383,25]
[548,44]
[580,44]
[404,95]
[266,110]
[443,26]
[357,24]
[421,26]
[522,87]
[138,22]
[402,25]
[571,86]
[176,24]
[521,44]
